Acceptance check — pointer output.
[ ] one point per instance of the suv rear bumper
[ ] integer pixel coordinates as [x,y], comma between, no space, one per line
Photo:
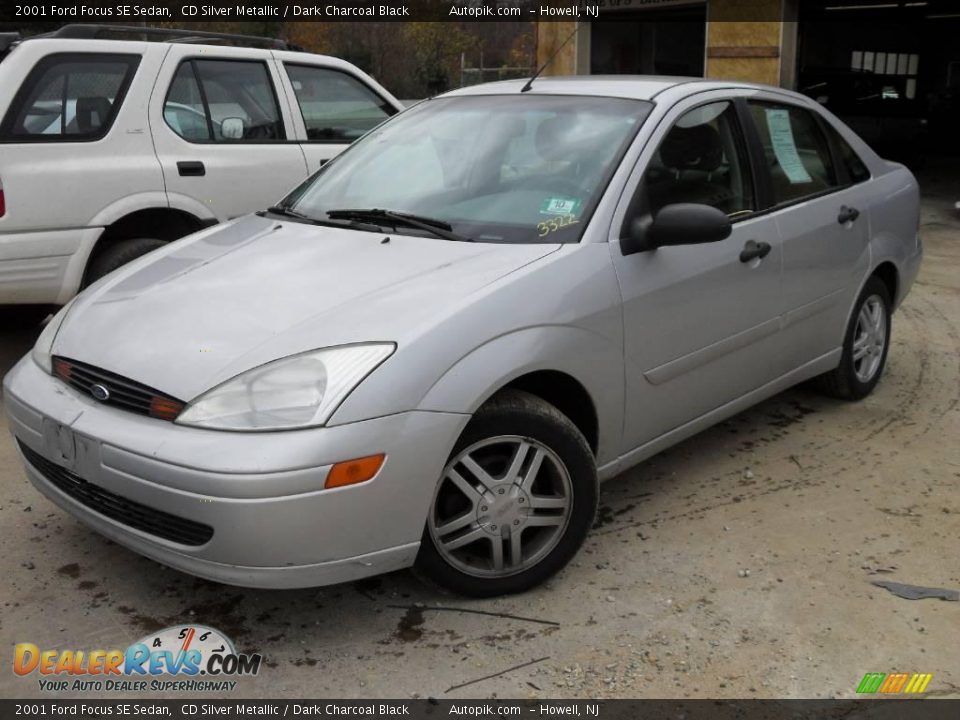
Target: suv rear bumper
[44,267]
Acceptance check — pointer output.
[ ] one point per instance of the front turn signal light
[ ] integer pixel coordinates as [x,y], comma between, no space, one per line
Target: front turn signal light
[353,472]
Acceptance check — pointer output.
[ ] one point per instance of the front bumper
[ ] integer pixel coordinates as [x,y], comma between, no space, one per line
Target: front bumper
[261,493]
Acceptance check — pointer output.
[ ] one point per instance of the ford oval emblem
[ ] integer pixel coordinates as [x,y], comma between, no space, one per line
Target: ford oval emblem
[100,393]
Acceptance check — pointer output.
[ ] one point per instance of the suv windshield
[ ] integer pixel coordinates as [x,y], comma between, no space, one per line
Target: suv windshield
[494,168]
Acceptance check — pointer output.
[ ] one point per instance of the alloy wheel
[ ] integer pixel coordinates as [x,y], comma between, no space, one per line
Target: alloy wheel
[502,505]
[869,338]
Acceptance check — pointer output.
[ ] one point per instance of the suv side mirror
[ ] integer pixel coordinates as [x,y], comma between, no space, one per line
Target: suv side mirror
[232,128]
[677,224]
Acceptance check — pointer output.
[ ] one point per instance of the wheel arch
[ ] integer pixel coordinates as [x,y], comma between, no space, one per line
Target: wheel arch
[576,370]
[888,273]
[164,223]
[566,394]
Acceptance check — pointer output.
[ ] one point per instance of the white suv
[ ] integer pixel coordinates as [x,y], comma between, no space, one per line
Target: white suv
[110,148]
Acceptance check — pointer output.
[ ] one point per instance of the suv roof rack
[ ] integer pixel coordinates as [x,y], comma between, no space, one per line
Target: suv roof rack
[84,31]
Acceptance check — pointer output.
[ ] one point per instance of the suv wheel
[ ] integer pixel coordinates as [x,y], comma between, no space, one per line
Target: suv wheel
[120,254]
[865,346]
[516,500]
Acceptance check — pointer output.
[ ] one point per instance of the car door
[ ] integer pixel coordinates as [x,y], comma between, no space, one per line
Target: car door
[821,213]
[74,146]
[700,321]
[223,131]
[331,104]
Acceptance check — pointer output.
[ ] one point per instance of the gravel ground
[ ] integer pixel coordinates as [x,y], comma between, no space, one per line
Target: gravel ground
[737,564]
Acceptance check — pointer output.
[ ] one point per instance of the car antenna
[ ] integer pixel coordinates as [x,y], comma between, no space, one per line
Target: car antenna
[543,67]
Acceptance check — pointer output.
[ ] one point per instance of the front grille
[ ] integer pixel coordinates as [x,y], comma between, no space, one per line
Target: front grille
[120,392]
[147,519]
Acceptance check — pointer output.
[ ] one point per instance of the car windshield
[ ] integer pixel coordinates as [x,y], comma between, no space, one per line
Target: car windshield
[492,168]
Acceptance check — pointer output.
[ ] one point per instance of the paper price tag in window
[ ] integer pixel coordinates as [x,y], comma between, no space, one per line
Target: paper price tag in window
[785,147]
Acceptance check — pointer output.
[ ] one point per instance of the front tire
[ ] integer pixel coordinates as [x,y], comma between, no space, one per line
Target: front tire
[865,345]
[120,254]
[516,500]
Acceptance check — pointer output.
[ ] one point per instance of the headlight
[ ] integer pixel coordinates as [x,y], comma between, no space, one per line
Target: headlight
[41,350]
[296,392]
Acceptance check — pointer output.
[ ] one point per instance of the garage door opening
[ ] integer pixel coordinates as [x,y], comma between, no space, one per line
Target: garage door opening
[890,70]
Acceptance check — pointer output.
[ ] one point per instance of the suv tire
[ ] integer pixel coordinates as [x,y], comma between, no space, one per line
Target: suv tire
[120,254]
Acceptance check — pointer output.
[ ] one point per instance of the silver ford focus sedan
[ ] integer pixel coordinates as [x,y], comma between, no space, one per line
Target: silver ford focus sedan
[431,352]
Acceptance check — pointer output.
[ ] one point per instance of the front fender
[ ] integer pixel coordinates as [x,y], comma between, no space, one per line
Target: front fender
[594,361]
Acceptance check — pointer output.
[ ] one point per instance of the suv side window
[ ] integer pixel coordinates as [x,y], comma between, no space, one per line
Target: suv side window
[336,107]
[223,101]
[702,159]
[796,151]
[69,97]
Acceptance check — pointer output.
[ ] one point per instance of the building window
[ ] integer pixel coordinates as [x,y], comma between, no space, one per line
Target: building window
[903,67]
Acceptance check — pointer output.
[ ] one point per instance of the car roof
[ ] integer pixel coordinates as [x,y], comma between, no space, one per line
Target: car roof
[636,87]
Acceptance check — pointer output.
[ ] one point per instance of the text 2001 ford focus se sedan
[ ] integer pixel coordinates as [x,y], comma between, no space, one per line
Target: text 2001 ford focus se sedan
[431,352]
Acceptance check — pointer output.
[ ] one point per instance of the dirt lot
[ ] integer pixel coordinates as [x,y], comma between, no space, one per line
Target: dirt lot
[737,564]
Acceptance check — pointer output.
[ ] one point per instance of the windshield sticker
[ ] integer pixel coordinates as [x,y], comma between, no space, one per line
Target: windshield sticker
[559,206]
[556,223]
[785,147]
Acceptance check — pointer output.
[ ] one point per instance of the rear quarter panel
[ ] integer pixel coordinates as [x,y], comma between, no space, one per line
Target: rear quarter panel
[892,198]
[894,225]
[58,194]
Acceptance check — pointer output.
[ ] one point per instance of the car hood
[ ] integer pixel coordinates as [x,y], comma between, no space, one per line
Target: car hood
[206,308]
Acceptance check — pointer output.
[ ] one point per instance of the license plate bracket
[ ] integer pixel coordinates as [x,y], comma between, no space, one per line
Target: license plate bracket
[61,443]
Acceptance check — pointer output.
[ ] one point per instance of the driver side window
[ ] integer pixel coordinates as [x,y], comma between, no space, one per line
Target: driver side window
[702,160]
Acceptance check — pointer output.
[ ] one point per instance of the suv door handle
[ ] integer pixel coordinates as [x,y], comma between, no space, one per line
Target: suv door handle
[847,214]
[191,168]
[754,249]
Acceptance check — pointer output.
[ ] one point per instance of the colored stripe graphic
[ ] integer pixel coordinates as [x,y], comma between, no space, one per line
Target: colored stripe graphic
[894,683]
[922,682]
[871,682]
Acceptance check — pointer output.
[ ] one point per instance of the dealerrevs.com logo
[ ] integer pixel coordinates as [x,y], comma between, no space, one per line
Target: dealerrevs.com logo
[183,657]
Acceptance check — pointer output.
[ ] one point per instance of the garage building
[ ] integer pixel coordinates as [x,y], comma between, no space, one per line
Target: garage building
[890,68]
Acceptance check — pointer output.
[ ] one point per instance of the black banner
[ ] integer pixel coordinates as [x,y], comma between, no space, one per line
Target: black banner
[194,708]
[126,12]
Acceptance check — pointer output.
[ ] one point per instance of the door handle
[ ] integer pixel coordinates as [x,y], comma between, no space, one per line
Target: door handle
[754,249]
[847,214]
[191,168]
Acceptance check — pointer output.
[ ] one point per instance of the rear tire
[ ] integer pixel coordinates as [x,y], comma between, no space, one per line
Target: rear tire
[522,478]
[120,254]
[865,346]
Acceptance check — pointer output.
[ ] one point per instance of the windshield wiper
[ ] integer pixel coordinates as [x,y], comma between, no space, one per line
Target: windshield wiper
[288,212]
[440,228]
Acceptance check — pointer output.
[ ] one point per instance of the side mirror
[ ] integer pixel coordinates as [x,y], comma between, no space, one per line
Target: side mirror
[232,128]
[677,224]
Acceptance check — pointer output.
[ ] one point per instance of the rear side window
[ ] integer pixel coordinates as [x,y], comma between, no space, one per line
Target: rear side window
[796,151]
[69,97]
[336,107]
[856,168]
[223,101]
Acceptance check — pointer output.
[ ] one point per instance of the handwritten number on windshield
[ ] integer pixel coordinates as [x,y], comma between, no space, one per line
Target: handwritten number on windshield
[555,223]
